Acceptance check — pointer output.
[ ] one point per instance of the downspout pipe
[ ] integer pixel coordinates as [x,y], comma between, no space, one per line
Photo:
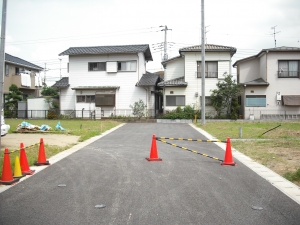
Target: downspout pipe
[146,98]
[267,65]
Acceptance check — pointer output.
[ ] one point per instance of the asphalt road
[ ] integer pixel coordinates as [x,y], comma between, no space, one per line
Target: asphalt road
[184,188]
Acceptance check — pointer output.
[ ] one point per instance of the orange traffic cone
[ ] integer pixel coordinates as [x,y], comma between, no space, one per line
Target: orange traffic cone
[228,161]
[23,162]
[42,155]
[153,150]
[7,177]
[18,171]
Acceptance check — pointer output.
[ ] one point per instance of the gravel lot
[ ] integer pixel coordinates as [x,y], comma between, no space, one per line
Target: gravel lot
[12,141]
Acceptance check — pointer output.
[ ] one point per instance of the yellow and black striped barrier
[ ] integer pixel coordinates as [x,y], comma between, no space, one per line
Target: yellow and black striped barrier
[187,139]
[29,146]
[193,151]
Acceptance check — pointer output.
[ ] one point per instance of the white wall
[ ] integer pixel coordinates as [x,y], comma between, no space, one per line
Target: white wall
[37,107]
[249,70]
[174,69]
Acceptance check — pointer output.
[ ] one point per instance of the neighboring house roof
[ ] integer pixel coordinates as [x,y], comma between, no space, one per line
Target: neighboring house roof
[109,50]
[95,87]
[171,59]
[62,83]
[209,48]
[149,79]
[15,60]
[279,49]
[177,82]
[256,82]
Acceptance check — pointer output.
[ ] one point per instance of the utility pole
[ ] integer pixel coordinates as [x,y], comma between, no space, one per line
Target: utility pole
[2,58]
[274,34]
[60,67]
[45,74]
[203,63]
[165,43]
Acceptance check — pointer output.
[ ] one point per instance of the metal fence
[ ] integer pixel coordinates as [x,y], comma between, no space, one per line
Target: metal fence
[75,114]
[150,113]
[274,115]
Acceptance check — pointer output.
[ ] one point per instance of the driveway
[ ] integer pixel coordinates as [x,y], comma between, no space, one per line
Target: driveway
[184,188]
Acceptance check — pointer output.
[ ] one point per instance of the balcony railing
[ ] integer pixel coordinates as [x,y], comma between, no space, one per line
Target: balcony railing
[288,74]
[208,74]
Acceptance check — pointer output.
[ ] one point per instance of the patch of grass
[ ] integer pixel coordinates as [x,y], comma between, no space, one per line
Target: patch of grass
[292,176]
[251,130]
[278,149]
[83,128]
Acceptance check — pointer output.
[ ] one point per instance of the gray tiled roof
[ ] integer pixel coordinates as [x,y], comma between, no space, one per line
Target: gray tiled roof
[282,48]
[22,62]
[94,87]
[63,82]
[209,48]
[171,59]
[256,82]
[278,49]
[177,82]
[109,50]
[149,79]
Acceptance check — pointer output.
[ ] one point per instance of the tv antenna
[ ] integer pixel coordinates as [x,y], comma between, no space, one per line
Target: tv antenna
[273,28]
[206,31]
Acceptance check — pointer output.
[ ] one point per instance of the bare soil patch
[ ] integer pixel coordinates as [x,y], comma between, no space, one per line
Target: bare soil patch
[12,141]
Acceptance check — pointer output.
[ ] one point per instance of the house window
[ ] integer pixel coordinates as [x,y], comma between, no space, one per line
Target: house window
[175,100]
[18,70]
[90,98]
[97,66]
[256,101]
[127,66]
[105,100]
[6,70]
[288,68]
[211,69]
[80,98]
[86,98]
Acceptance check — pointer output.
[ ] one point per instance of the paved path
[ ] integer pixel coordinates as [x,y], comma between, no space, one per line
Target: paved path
[184,188]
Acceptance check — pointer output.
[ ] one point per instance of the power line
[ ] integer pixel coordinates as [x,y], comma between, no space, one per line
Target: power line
[114,33]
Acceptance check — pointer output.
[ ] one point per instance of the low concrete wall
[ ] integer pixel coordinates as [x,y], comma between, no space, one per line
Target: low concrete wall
[173,121]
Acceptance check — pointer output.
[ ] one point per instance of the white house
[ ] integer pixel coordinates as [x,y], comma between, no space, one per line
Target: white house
[270,82]
[107,80]
[182,85]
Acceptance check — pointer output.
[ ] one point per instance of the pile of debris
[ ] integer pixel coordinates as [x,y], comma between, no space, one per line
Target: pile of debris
[27,127]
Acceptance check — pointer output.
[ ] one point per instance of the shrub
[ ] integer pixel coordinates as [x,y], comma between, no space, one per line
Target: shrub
[187,112]
[138,109]
[52,115]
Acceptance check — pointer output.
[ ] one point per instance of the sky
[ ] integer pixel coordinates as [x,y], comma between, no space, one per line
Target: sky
[39,30]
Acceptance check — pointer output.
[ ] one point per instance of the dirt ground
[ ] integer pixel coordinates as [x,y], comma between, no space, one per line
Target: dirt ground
[12,141]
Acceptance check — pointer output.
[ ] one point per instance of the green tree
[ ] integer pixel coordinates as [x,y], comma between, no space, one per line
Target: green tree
[50,95]
[13,97]
[138,109]
[49,91]
[224,98]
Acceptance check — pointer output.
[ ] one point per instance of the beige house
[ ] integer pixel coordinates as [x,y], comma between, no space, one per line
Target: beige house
[270,81]
[23,74]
